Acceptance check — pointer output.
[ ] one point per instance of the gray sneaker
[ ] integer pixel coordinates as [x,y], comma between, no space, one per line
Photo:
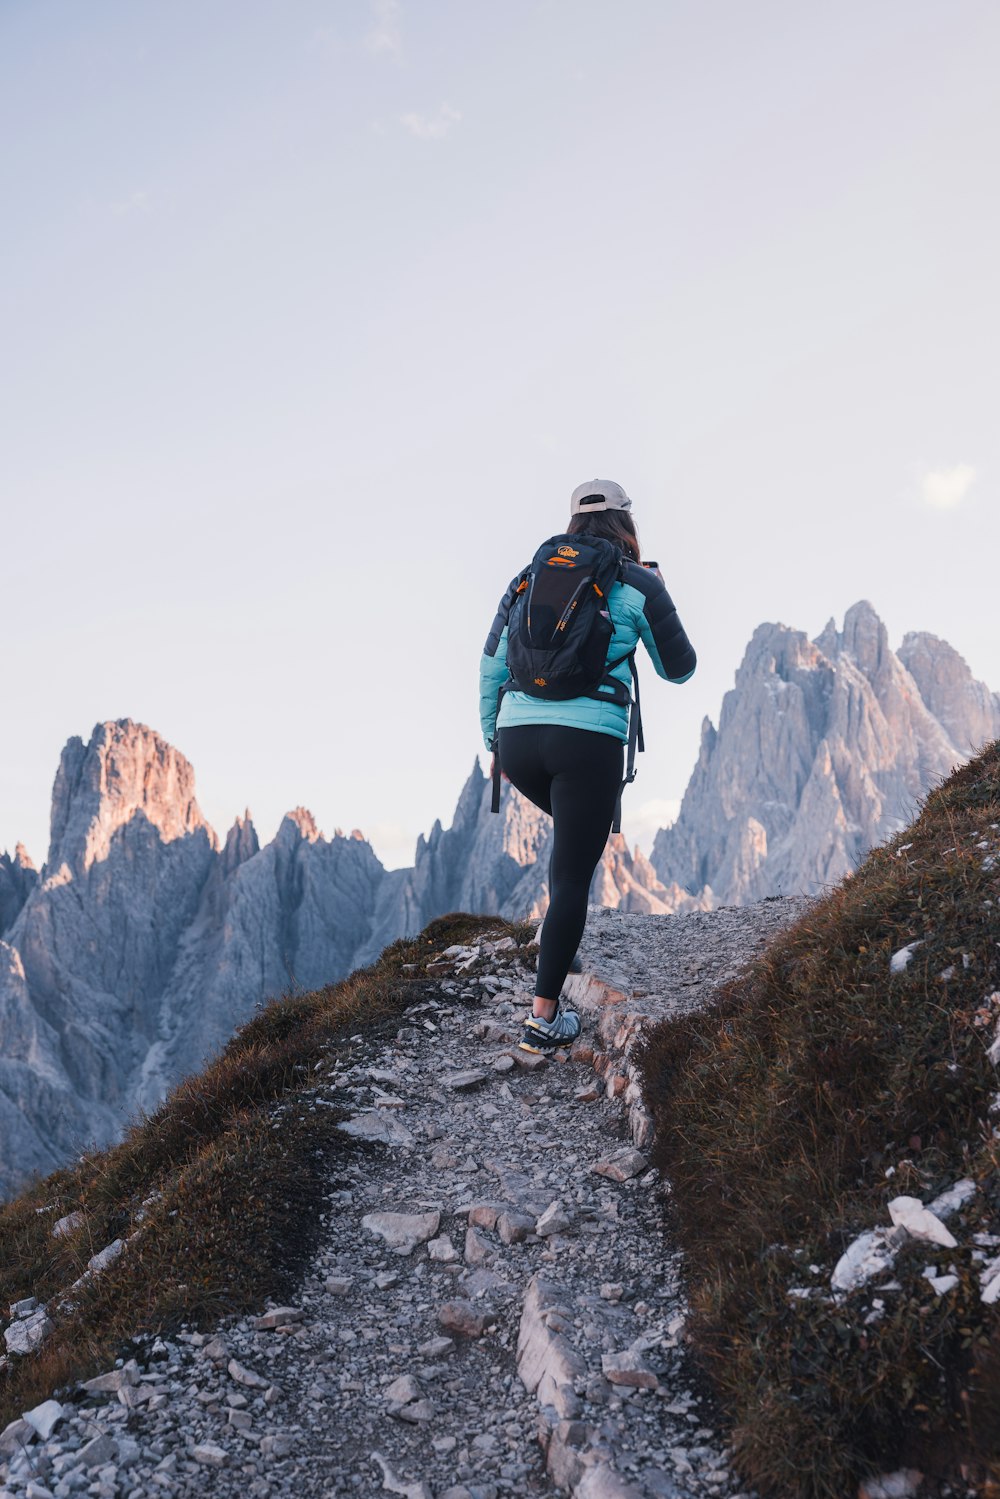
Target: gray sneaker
[547,1035]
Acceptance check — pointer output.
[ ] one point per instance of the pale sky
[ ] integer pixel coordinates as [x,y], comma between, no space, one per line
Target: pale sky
[312,316]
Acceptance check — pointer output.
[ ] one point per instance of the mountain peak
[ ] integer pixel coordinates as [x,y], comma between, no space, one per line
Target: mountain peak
[304,823]
[821,748]
[865,637]
[125,769]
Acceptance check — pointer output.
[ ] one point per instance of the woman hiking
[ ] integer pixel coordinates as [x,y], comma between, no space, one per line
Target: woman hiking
[558,662]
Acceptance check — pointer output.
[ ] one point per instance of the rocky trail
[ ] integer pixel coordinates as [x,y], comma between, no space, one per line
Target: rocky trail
[494,1308]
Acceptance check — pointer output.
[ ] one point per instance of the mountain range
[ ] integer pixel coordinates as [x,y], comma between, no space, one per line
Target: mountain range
[146,940]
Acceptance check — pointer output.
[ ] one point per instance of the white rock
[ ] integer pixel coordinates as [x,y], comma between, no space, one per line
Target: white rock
[442,1250]
[67,1225]
[45,1418]
[105,1256]
[246,1377]
[869,1255]
[621,1165]
[920,1222]
[15,1435]
[211,1455]
[899,961]
[380,1126]
[954,1198]
[114,1380]
[24,1336]
[989,1282]
[98,1451]
[402,1232]
[628,1368]
[281,1316]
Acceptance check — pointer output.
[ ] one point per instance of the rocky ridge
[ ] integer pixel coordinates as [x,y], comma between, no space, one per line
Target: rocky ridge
[823,750]
[493,1308]
[144,943]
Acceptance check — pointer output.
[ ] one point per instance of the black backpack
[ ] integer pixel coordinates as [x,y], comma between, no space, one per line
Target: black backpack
[558,633]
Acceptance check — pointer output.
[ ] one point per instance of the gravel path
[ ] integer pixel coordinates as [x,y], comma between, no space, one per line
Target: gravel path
[494,1309]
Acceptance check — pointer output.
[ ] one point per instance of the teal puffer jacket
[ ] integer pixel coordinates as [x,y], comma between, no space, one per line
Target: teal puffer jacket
[640,609]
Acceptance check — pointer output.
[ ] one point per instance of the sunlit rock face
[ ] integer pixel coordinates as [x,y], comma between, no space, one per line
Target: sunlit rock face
[87,959]
[823,749]
[143,944]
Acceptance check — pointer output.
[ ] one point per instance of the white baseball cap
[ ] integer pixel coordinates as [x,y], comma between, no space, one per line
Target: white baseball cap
[598,494]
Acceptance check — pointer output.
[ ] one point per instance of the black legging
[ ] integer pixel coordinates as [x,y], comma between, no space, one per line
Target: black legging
[575,775]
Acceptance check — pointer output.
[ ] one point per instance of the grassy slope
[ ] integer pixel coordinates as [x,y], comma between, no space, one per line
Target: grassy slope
[236,1200]
[815,1089]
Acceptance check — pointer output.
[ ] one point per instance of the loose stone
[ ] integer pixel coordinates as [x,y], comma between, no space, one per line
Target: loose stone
[210,1455]
[245,1376]
[464,1082]
[463,1318]
[402,1232]
[403,1390]
[282,1316]
[553,1221]
[67,1225]
[630,1369]
[622,1164]
[436,1347]
[98,1451]
[514,1228]
[45,1418]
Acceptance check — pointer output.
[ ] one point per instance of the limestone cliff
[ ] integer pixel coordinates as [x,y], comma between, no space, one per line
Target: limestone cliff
[89,955]
[823,749]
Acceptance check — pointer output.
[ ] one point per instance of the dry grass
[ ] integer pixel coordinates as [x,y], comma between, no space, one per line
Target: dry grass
[816,1088]
[224,1186]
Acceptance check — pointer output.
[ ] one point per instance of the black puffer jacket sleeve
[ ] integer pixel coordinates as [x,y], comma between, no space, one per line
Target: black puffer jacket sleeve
[502,615]
[493,664]
[659,624]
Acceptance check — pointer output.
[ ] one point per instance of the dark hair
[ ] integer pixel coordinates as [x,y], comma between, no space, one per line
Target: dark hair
[613,525]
